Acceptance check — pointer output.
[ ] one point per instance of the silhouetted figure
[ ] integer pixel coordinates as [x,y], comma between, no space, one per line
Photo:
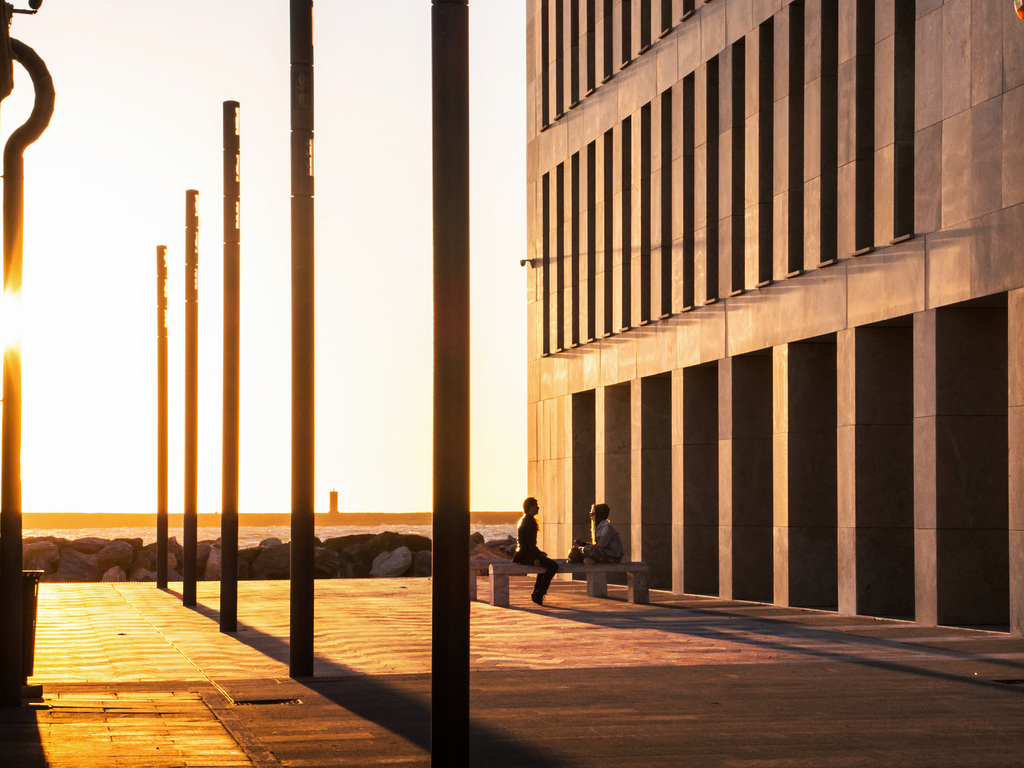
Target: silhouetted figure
[527,552]
[605,545]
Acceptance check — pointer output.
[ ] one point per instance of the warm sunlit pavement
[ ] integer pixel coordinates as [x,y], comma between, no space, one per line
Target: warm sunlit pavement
[130,677]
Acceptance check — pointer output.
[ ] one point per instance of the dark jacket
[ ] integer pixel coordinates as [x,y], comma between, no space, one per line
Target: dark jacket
[526,548]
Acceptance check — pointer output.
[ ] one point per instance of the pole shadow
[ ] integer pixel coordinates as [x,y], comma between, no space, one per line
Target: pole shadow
[398,703]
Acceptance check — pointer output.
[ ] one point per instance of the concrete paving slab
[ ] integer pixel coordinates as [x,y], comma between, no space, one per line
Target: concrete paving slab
[578,682]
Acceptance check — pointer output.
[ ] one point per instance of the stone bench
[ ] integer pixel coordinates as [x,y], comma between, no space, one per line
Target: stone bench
[637,575]
[477,567]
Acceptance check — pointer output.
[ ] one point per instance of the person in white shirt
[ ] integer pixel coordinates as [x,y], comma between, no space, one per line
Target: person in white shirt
[605,546]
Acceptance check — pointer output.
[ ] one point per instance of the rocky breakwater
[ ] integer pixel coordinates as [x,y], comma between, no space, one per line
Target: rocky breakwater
[356,556]
[97,559]
[496,549]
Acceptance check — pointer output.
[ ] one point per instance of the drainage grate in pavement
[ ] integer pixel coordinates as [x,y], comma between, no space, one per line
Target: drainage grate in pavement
[261,702]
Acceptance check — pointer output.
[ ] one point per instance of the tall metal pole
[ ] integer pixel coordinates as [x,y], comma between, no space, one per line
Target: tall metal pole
[232,292]
[10,438]
[301,639]
[191,522]
[161,417]
[449,726]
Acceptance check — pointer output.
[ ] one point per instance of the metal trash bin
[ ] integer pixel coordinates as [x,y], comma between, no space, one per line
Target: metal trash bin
[29,606]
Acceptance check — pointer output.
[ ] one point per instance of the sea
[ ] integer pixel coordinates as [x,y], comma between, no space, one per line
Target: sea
[251,536]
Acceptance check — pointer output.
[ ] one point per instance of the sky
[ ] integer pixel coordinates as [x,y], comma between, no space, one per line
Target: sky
[140,88]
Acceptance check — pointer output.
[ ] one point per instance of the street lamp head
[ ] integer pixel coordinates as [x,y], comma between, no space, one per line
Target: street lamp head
[33,7]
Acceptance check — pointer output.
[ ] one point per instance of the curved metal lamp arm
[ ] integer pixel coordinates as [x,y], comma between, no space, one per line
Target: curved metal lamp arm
[14,161]
[42,109]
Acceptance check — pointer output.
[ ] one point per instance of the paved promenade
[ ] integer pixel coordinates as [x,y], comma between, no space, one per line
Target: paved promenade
[131,678]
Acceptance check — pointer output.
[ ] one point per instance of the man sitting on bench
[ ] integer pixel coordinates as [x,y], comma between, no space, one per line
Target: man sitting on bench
[605,545]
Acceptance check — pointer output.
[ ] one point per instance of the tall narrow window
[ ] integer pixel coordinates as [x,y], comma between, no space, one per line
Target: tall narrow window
[626,277]
[645,213]
[591,46]
[626,32]
[711,109]
[903,202]
[737,171]
[591,240]
[559,58]
[574,57]
[689,189]
[546,263]
[864,128]
[574,255]
[545,71]
[666,204]
[666,17]
[765,151]
[795,257]
[608,42]
[609,233]
[645,25]
[560,257]
[829,118]
[688,10]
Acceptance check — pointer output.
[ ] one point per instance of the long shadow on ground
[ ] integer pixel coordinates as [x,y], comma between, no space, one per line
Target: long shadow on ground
[398,703]
[776,634]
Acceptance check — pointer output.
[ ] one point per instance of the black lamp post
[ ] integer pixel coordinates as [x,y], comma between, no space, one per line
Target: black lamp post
[449,713]
[301,607]
[11,634]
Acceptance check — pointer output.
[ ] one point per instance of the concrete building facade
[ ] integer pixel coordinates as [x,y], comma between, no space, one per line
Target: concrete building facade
[776,296]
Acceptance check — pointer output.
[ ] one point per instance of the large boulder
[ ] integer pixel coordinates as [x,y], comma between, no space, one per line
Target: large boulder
[388,541]
[249,554]
[172,545]
[215,565]
[351,567]
[141,574]
[88,545]
[77,566]
[507,546]
[484,552]
[273,541]
[326,562]
[202,554]
[117,554]
[40,556]
[340,543]
[272,563]
[174,555]
[389,564]
[145,559]
[416,543]
[136,543]
[114,573]
[365,553]
[422,562]
[213,561]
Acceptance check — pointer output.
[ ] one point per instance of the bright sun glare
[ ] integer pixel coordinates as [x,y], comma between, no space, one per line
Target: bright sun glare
[10,320]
